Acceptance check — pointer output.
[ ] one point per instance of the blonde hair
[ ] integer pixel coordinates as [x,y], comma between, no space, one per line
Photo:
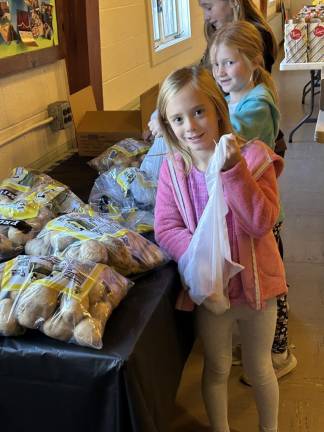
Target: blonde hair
[243,10]
[246,38]
[201,79]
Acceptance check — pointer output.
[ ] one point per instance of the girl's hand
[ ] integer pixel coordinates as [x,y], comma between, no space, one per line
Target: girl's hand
[155,128]
[233,153]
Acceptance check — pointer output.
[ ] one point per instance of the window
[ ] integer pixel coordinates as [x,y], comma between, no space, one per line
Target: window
[171,22]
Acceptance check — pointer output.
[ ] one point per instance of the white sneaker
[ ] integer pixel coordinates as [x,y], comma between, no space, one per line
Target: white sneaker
[282,364]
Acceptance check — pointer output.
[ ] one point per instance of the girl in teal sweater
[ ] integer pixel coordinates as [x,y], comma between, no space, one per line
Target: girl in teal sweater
[236,56]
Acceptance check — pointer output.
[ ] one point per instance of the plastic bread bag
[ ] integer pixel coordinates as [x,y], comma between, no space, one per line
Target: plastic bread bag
[206,266]
[88,295]
[15,277]
[122,154]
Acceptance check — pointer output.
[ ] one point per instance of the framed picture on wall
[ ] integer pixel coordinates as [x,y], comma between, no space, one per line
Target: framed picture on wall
[28,34]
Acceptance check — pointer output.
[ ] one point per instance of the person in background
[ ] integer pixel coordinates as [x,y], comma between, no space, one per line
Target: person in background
[236,59]
[193,116]
[217,13]
[220,12]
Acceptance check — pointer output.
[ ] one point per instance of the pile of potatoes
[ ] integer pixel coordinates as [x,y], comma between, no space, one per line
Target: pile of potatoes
[71,303]
[96,239]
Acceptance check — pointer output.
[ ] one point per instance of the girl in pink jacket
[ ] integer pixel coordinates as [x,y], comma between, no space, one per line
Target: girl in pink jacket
[193,116]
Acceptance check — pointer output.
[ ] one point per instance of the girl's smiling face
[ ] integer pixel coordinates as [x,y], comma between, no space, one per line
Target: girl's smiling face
[232,71]
[217,12]
[194,121]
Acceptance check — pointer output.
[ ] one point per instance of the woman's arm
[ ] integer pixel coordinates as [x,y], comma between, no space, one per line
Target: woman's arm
[170,230]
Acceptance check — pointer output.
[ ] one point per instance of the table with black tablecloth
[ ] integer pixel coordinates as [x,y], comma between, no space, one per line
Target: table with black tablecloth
[127,386]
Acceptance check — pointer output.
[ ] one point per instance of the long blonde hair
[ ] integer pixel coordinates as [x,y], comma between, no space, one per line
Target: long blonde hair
[243,10]
[202,80]
[245,37]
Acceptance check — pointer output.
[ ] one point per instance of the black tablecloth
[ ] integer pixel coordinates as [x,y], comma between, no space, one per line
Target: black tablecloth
[129,385]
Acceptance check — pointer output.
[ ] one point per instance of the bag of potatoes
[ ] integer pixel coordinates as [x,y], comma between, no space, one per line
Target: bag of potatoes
[15,277]
[97,239]
[127,152]
[31,199]
[88,295]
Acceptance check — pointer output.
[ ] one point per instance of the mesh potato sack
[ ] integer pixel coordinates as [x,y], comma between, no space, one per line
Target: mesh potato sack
[89,293]
[125,153]
[15,277]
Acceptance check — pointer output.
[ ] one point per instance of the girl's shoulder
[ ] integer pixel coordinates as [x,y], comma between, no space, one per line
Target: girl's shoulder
[258,93]
[259,157]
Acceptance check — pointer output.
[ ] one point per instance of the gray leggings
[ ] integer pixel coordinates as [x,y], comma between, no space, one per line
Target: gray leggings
[257,329]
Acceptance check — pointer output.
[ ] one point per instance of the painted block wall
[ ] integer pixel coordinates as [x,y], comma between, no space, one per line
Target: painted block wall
[24,98]
[125,49]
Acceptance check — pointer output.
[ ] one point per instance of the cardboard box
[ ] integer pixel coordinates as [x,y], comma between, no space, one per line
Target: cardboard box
[97,130]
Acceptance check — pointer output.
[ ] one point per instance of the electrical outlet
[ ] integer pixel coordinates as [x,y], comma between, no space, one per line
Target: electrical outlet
[61,111]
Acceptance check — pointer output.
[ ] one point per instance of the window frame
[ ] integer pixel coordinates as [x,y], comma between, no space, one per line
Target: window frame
[171,47]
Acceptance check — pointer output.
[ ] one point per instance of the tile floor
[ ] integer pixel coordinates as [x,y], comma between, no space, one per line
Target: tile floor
[302,391]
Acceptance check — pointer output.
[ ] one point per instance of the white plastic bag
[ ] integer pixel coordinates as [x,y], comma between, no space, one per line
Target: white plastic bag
[206,267]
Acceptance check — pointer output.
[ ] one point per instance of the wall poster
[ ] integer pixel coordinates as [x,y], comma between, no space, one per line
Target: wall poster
[27,25]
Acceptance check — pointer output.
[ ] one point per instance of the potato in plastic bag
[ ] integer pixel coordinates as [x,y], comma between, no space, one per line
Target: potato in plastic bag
[26,201]
[7,249]
[99,239]
[89,293]
[129,252]
[15,277]
[124,153]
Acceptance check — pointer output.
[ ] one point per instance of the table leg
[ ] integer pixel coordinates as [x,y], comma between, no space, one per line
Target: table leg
[307,118]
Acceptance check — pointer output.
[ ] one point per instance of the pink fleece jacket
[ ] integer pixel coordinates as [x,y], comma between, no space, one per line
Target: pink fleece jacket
[251,192]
